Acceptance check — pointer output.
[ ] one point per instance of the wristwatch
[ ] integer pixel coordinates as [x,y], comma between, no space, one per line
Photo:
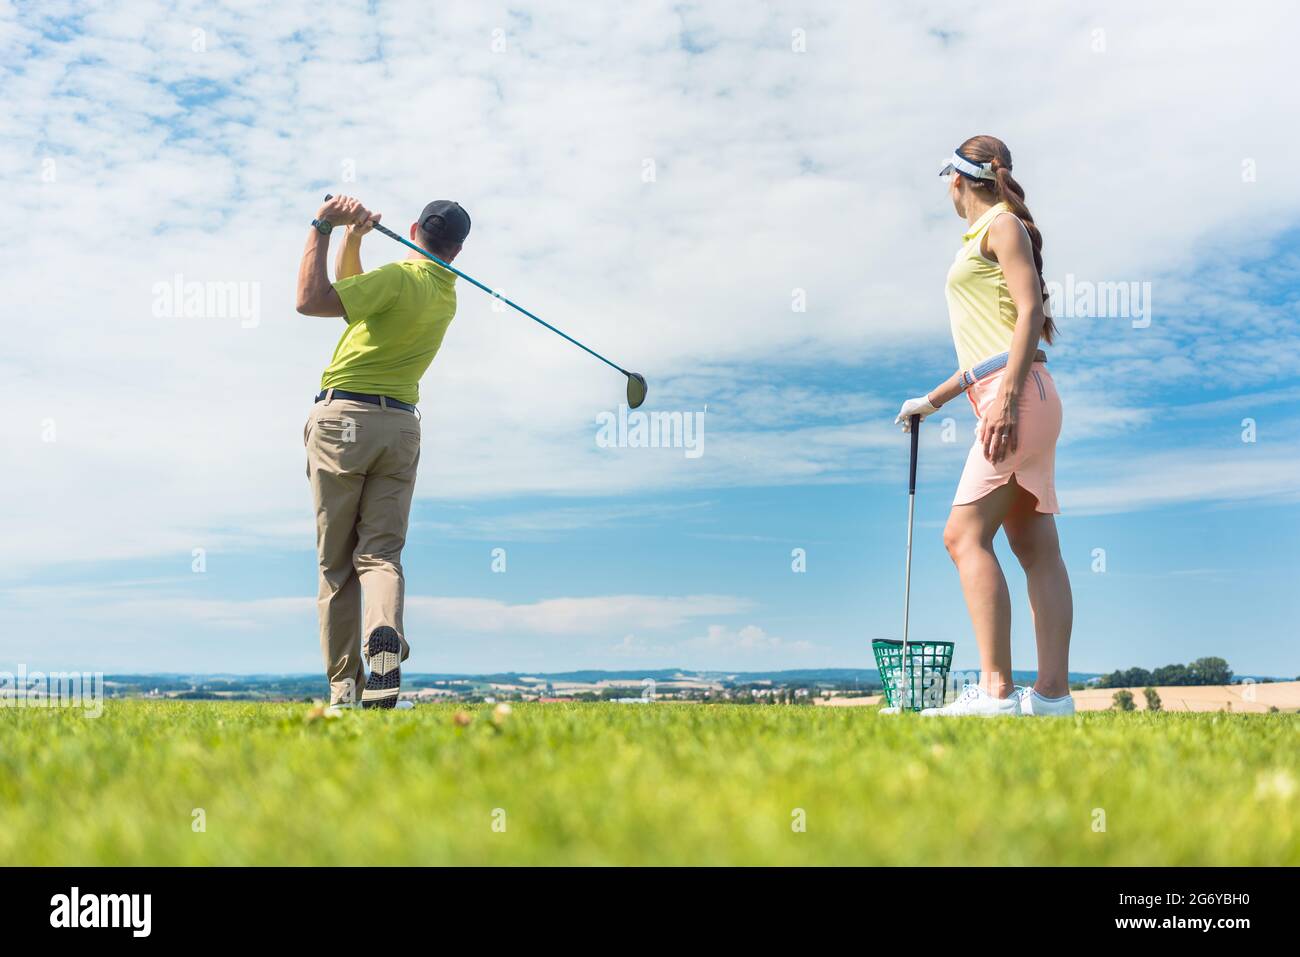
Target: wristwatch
[323,226]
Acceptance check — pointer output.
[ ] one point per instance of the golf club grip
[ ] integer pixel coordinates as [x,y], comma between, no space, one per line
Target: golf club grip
[386,231]
[380,227]
[383,229]
[916,437]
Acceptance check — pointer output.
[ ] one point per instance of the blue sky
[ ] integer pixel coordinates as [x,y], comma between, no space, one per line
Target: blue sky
[669,183]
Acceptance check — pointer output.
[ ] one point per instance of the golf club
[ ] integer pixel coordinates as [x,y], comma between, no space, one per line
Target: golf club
[915,673]
[883,648]
[905,699]
[636,385]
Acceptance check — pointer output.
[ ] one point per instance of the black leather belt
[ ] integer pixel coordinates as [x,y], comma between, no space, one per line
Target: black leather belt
[366,397]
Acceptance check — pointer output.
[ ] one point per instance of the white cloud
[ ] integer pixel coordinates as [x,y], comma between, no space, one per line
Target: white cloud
[160,628]
[568,616]
[1205,474]
[137,604]
[775,171]
[720,647]
[636,647]
[592,615]
[745,640]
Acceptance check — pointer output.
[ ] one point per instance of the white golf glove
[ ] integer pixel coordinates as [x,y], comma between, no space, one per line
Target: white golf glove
[919,406]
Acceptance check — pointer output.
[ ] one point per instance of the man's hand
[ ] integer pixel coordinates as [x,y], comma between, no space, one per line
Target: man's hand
[316,296]
[347,211]
[360,229]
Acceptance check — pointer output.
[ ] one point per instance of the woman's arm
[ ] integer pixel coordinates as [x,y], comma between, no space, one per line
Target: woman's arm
[929,404]
[947,390]
[1009,243]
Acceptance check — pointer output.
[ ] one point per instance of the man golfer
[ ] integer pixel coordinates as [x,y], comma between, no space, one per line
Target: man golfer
[363,433]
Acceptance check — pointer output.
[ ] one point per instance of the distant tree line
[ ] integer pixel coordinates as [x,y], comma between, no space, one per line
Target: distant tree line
[1202,671]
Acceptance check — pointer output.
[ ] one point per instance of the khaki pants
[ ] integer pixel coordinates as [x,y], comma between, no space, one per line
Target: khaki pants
[361,462]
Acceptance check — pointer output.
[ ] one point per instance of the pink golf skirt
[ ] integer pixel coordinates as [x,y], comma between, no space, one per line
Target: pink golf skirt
[1034,462]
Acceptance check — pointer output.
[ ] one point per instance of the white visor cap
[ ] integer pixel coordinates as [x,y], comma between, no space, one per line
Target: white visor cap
[971,170]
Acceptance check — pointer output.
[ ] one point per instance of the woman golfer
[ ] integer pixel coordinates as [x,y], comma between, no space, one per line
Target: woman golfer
[995,294]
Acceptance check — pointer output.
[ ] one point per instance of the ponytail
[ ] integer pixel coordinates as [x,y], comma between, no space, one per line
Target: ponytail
[991,150]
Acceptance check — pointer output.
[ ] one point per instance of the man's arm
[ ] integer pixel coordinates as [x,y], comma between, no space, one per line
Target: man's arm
[348,262]
[316,296]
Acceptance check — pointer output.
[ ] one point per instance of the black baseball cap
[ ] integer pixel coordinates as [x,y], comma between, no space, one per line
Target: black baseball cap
[446,220]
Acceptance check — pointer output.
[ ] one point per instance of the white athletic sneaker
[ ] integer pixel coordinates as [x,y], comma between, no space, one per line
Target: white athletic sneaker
[974,700]
[1035,705]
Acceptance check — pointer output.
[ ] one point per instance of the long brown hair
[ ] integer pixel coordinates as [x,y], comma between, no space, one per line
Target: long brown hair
[990,149]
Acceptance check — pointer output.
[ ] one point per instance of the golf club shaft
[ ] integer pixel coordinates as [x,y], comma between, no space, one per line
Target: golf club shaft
[907,598]
[491,292]
[915,423]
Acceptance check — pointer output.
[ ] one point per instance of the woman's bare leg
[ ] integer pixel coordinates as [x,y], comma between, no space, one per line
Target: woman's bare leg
[968,537]
[1032,536]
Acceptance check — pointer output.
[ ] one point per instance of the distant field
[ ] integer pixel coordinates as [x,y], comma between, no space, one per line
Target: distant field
[642,784]
[1256,698]
[1247,698]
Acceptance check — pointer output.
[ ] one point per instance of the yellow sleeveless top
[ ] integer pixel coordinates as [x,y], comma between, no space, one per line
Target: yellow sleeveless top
[980,307]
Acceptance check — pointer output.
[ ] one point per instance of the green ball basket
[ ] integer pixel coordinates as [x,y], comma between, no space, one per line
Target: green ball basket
[923,682]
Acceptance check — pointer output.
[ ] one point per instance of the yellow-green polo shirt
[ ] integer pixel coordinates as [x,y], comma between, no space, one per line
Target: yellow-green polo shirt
[397,315]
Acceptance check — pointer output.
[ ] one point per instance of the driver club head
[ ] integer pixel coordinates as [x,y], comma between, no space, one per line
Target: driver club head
[636,389]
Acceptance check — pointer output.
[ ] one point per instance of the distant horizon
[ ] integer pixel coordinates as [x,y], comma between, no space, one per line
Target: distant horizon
[625,672]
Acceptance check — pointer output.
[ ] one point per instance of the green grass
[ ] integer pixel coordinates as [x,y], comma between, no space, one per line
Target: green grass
[627,784]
